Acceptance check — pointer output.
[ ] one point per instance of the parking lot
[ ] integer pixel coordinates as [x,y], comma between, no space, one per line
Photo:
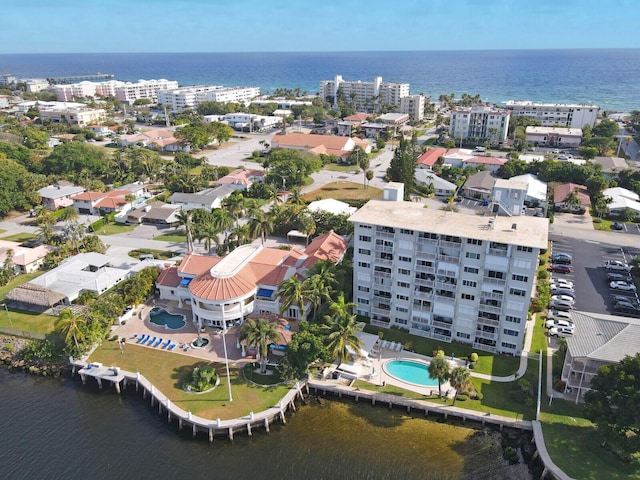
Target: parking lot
[589,275]
[632,228]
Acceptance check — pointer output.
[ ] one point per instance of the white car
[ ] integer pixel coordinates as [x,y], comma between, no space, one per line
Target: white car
[559,315]
[629,287]
[558,323]
[561,332]
[558,284]
[617,265]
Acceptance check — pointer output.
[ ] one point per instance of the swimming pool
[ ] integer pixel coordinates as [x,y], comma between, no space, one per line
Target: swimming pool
[160,316]
[410,371]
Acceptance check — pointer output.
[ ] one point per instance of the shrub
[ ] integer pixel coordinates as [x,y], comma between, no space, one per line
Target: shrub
[380,334]
[478,396]
[473,357]
[463,397]
[408,346]
[597,220]
[542,261]
[543,275]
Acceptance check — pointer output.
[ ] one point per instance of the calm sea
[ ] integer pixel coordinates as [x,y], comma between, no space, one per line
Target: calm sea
[608,77]
[59,429]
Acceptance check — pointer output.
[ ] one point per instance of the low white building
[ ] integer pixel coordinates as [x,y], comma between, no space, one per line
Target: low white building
[554,136]
[621,199]
[186,98]
[208,199]
[441,187]
[330,205]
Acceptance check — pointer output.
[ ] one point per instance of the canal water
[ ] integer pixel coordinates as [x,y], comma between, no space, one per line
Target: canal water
[58,429]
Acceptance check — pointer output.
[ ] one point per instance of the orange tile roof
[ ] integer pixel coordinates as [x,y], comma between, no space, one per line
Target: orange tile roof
[329,246]
[216,288]
[194,264]
[169,277]
[560,192]
[357,117]
[113,203]
[89,196]
[430,157]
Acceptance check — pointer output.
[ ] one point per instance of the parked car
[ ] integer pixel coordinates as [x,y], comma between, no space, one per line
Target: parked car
[617,226]
[561,332]
[625,299]
[564,292]
[560,283]
[558,268]
[628,287]
[559,315]
[561,258]
[561,302]
[617,265]
[618,277]
[559,323]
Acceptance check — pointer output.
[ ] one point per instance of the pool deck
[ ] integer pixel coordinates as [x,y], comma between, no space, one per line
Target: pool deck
[139,324]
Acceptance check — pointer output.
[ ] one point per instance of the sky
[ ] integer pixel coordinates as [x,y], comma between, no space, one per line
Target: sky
[122,26]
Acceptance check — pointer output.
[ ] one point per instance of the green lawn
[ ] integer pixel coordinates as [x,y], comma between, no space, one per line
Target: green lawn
[115,229]
[539,341]
[176,237]
[337,167]
[20,237]
[603,224]
[168,371]
[498,365]
[31,322]
[19,280]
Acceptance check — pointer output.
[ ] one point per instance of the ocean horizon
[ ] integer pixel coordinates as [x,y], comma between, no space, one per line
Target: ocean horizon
[606,77]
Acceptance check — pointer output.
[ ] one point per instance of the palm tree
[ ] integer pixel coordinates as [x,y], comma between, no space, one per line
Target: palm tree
[241,234]
[439,369]
[363,164]
[260,334]
[460,379]
[45,232]
[74,233]
[235,205]
[207,234]
[260,225]
[341,336]
[340,308]
[69,325]
[325,269]
[184,219]
[223,220]
[291,292]
[68,213]
[572,201]
[295,198]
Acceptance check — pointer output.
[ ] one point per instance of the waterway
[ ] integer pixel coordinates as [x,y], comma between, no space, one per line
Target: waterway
[58,429]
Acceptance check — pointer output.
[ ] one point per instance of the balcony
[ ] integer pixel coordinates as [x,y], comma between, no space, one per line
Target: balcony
[383,261]
[487,335]
[449,287]
[421,308]
[383,248]
[388,235]
[498,252]
[445,325]
[420,320]
[423,295]
[443,299]
[488,321]
[494,281]
[446,244]
[444,338]
[484,348]
[448,259]
[415,330]
[489,309]
[425,269]
[425,282]
[427,241]
[426,255]
[492,296]
[378,273]
[380,323]
[380,311]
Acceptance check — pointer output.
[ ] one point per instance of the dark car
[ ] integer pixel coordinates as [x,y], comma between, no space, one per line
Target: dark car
[618,277]
[617,226]
[563,291]
[560,268]
[625,299]
[628,311]
[561,258]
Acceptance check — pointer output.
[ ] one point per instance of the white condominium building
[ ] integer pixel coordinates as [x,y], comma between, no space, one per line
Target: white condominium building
[444,275]
[182,99]
[124,91]
[556,114]
[364,93]
[413,105]
[479,124]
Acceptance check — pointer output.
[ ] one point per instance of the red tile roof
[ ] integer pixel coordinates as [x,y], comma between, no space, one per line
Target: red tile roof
[560,192]
[194,264]
[430,157]
[329,246]
[169,277]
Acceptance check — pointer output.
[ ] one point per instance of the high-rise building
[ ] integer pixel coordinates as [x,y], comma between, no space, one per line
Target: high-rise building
[185,98]
[445,275]
[364,94]
[479,124]
[556,114]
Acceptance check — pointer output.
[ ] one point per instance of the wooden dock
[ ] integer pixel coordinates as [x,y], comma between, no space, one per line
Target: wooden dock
[185,419]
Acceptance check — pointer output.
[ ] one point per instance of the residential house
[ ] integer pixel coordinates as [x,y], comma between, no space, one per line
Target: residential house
[209,199]
[479,185]
[611,165]
[441,187]
[317,144]
[155,213]
[241,179]
[554,136]
[536,195]
[25,259]
[429,158]
[102,203]
[394,119]
[59,195]
[622,199]
[446,276]
[332,206]
[562,191]
[508,196]
[374,129]
[492,164]
[222,291]
[157,139]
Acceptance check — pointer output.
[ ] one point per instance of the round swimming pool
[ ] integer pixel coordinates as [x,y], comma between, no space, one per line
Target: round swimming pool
[160,316]
[410,371]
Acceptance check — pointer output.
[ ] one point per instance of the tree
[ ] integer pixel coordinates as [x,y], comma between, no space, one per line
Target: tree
[589,153]
[572,201]
[403,164]
[74,232]
[260,334]
[368,176]
[606,128]
[612,403]
[460,379]
[69,326]
[260,225]
[184,219]
[291,292]
[341,338]
[306,346]
[363,164]
[439,369]
[68,213]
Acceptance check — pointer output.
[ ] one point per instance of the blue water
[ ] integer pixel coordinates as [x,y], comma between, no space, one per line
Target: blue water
[411,372]
[163,318]
[608,77]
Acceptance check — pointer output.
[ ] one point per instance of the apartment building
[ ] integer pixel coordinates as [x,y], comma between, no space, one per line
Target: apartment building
[186,98]
[127,92]
[556,114]
[479,124]
[364,93]
[58,112]
[445,275]
[413,105]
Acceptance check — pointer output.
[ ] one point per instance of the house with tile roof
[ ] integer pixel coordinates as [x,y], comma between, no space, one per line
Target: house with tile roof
[318,144]
[157,139]
[225,290]
[24,259]
[241,179]
[599,340]
[429,158]
[562,191]
[102,203]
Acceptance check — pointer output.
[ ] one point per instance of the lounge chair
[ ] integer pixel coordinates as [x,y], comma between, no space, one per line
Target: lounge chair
[385,344]
[158,342]
[166,344]
[399,347]
[151,341]
[143,338]
[172,346]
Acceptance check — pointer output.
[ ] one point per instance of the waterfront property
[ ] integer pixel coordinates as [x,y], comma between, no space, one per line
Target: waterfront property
[445,275]
[479,124]
[222,291]
[160,316]
[554,136]
[555,114]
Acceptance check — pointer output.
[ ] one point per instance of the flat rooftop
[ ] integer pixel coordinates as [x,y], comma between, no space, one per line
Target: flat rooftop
[528,232]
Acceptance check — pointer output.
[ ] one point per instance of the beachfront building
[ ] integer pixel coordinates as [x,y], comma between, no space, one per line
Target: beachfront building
[364,94]
[479,124]
[188,98]
[225,290]
[127,92]
[445,275]
[554,136]
[556,114]
[413,105]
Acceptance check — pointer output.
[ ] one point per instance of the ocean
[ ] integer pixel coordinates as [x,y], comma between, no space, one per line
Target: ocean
[608,77]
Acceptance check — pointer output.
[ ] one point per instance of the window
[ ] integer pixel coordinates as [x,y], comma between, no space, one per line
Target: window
[364,251]
[368,227]
[406,232]
[404,271]
[364,301]
[512,319]
[463,335]
[525,264]
[524,249]
[405,259]
[473,241]
[517,292]
[364,264]
[402,309]
[508,345]
[402,297]
[520,278]
[513,333]
[494,274]
[401,321]
[403,285]
[469,283]
[473,270]
[466,296]
[475,256]
[363,289]
[364,238]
